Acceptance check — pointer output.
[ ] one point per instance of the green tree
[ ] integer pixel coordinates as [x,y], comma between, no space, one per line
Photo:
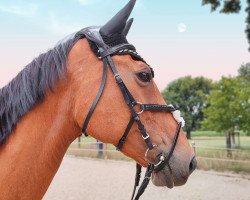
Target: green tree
[244,76]
[244,97]
[231,6]
[188,94]
[244,72]
[228,106]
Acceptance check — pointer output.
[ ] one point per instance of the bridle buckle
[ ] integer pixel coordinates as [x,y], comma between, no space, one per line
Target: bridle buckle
[141,110]
[146,137]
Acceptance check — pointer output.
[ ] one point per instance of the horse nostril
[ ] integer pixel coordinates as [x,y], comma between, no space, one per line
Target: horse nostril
[192,165]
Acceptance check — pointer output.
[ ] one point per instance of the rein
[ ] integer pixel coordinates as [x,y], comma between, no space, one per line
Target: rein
[105,54]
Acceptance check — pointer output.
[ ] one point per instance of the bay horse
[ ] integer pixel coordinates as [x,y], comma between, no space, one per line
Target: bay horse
[91,79]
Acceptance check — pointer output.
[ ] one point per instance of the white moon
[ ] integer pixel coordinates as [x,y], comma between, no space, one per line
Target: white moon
[182,28]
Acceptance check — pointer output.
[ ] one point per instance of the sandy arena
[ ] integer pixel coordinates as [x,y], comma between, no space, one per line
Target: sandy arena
[90,179]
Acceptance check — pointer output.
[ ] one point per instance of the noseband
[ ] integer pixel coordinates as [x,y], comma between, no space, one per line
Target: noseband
[104,53]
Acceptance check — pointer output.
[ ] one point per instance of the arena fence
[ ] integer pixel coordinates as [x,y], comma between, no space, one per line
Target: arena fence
[209,158]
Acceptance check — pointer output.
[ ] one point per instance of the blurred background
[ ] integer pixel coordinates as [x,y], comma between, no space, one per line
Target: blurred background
[177,38]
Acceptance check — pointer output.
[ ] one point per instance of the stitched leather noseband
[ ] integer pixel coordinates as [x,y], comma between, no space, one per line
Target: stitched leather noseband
[105,53]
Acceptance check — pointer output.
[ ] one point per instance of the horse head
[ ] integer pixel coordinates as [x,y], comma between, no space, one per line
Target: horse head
[117,101]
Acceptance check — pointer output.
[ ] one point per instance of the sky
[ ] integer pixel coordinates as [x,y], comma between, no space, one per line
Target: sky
[177,38]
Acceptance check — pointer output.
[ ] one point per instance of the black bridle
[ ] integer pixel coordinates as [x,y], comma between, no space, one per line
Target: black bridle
[105,53]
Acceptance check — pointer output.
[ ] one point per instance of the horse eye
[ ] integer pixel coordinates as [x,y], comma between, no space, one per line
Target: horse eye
[144,76]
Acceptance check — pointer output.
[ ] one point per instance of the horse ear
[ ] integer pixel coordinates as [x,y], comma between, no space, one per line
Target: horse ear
[128,26]
[117,24]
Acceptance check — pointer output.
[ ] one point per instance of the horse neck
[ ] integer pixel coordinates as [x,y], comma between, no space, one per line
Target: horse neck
[31,156]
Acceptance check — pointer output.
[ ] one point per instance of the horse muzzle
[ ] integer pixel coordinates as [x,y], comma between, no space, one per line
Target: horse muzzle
[173,173]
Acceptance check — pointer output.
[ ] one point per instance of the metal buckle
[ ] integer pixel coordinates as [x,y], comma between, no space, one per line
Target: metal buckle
[162,158]
[147,136]
[141,111]
[116,76]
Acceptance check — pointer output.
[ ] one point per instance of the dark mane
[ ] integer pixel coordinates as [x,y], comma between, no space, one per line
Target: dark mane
[28,88]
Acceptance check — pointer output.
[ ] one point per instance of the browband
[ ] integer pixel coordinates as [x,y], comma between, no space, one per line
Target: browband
[102,49]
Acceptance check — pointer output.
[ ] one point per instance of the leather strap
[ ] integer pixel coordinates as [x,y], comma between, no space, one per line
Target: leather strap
[151,168]
[123,138]
[115,49]
[170,153]
[130,101]
[137,179]
[97,98]
[144,183]
[145,135]
[157,107]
